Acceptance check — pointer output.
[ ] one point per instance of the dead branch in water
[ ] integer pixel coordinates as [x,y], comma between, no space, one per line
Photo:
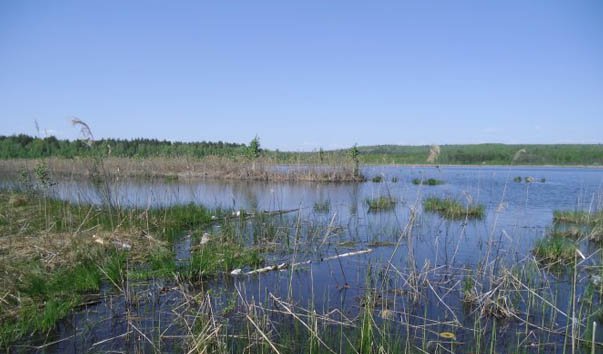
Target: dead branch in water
[282,266]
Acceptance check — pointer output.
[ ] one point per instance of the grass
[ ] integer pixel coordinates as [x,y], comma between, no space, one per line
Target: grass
[382,203]
[377,179]
[427,182]
[322,207]
[577,217]
[42,297]
[54,253]
[584,223]
[452,209]
[555,250]
[219,256]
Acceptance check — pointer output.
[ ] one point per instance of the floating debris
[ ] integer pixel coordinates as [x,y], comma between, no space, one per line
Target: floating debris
[388,314]
[448,335]
[283,266]
[205,238]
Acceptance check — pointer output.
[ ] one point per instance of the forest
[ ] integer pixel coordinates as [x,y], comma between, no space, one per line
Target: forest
[27,147]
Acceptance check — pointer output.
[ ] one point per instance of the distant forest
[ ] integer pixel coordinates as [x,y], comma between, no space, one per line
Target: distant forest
[25,146]
[489,154]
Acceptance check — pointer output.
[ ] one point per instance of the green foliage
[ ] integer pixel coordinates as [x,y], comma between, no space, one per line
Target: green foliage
[452,209]
[24,146]
[381,203]
[220,256]
[428,182]
[366,338]
[254,151]
[52,296]
[489,154]
[322,207]
[377,179]
[577,217]
[555,249]
[354,154]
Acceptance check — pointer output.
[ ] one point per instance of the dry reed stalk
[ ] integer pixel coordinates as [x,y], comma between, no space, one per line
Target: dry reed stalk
[288,311]
[211,167]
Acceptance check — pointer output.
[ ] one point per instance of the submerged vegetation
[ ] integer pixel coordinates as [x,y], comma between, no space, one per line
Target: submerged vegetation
[427,182]
[452,209]
[322,207]
[555,249]
[381,203]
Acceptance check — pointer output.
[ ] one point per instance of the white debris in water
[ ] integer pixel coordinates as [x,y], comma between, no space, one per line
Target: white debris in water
[205,238]
[501,207]
[213,217]
[387,314]
[236,272]
[123,245]
[98,239]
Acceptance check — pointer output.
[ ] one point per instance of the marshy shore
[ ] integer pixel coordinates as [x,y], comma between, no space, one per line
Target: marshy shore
[185,168]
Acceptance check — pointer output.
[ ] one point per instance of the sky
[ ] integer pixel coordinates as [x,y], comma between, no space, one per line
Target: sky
[304,75]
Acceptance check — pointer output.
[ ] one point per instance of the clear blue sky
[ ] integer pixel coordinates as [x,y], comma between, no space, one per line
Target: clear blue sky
[306,74]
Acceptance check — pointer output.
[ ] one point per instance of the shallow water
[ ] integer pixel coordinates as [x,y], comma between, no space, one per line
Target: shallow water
[517,214]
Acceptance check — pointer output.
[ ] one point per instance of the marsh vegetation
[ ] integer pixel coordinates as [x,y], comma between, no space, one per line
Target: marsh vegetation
[479,264]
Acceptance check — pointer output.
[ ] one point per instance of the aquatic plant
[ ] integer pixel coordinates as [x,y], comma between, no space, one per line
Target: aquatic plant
[381,203]
[427,182]
[322,207]
[577,217]
[377,179]
[220,256]
[453,209]
[555,250]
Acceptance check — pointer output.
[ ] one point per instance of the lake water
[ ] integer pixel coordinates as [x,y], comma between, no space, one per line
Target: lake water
[403,240]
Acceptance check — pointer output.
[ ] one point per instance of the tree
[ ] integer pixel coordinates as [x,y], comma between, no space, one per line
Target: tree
[254,149]
[354,155]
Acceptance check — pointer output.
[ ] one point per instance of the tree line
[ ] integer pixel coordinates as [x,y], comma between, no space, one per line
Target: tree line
[25,146]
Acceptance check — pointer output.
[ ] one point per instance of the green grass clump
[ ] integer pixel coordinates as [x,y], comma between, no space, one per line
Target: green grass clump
[221,256]
[377,179]
[381,203]
[322,207]
[577,217]
[84,240]
[47,297]
[453,209]
[427,182]
[555,250]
